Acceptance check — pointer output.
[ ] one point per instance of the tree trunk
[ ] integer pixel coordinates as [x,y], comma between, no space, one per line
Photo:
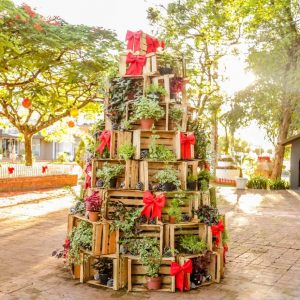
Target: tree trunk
[28,149]
[284,126]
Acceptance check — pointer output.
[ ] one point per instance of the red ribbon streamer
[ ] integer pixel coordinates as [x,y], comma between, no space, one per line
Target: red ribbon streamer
[216,231]
[11,170]
[104,140]
[186,141]
[66,247]
[153,205]
[136,64]
[225,246]
[133,39]
[44,169]
[88,178]
[180,272]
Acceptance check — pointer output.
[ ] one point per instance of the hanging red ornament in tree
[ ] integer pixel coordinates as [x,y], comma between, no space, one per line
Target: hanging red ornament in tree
[26,103]
[74,112]
[71,124]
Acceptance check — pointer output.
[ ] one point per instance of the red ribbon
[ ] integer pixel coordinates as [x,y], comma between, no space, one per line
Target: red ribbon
[186,141]
[153,205]
[133,39]
[44,169]
[88,178]
[136,64]
[66,247]
[152,44]
[10,170]
[180,272]
[216,231]
[104,140]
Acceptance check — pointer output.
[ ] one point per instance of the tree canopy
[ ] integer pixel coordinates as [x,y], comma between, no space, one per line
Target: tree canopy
[56,65]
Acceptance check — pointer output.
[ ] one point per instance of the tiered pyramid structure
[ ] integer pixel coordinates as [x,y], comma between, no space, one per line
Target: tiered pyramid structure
[177,221]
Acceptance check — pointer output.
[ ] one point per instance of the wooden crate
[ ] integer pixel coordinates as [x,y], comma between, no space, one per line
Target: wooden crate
[174,231]
[142,139]
[202,199]
[120,272]
[137,272]
[129,176]
[104,241]
[186,207]
[75,271]
[131,199]
[148,170]
[213,268]
[117,139]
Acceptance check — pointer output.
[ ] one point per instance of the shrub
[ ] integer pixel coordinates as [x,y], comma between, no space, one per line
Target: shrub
[63,157]
[258,182]
[279,184]
[192,244]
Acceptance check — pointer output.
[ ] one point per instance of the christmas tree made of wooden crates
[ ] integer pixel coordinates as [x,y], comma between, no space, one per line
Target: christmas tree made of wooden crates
[128,272]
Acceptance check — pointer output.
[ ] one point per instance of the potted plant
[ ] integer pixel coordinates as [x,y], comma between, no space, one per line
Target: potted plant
[155,91]
[192,182]
[192,244]
[150,258]
[126,151]
[168,179]
[207,215]
[147,110]
[203,180]
[176,114]
[166,63]
[241,181]
[104,266]
[174,210]
[109,174]
[158,151]
[93,204]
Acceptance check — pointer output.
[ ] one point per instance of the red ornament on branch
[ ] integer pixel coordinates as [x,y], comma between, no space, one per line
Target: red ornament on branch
[26,103]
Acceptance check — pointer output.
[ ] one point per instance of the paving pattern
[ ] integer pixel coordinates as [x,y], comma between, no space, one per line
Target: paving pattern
[263,261]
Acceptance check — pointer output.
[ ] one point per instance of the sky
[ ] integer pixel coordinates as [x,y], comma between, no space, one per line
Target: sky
[123,15]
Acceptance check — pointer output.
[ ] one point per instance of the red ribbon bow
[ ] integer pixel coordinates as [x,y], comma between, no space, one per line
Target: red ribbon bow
[153,205]
[186,141]
[136,62]
[133,39]
[225,246]
[181,274]
[104,140]
[88,178]
[216,231]
[10,170]
[66,247]
[152,44]
[44,169]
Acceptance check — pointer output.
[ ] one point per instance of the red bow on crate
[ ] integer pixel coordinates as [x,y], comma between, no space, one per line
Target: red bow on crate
[104,140]
[186,141]
[88,178]
[181,272]
[136,64]
[152,44]
[216,231]
[66,247]
[153,205]
[133,39]
[44,169]
[11,170]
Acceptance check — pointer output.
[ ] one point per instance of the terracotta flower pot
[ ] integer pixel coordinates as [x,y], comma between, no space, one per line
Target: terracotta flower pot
[93,216]
[146,124]
[172,220]
[153,283]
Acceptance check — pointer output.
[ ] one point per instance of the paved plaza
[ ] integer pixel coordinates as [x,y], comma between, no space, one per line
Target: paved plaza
[263,259]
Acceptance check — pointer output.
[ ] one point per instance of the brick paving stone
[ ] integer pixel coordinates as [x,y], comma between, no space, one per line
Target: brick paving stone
[263,260]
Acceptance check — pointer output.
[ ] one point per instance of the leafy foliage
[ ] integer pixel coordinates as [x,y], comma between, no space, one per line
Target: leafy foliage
[168,175]
[174,209]
[192,244]
[258,182]
[147,108]
[207,214]
[279,184]
[159,151]
[108,172]
[126,151]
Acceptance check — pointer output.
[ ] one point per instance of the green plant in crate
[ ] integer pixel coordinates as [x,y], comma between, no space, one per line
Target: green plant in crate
[155,91]
[150,256]
[126,125]
[146,108]
[207,214]
[279,184]
[176,115]
[168,179]
[159,152]
[258,182]
[81,236]
[174,209]
[126,151]
[203,180]
[109,172]
[192,244]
